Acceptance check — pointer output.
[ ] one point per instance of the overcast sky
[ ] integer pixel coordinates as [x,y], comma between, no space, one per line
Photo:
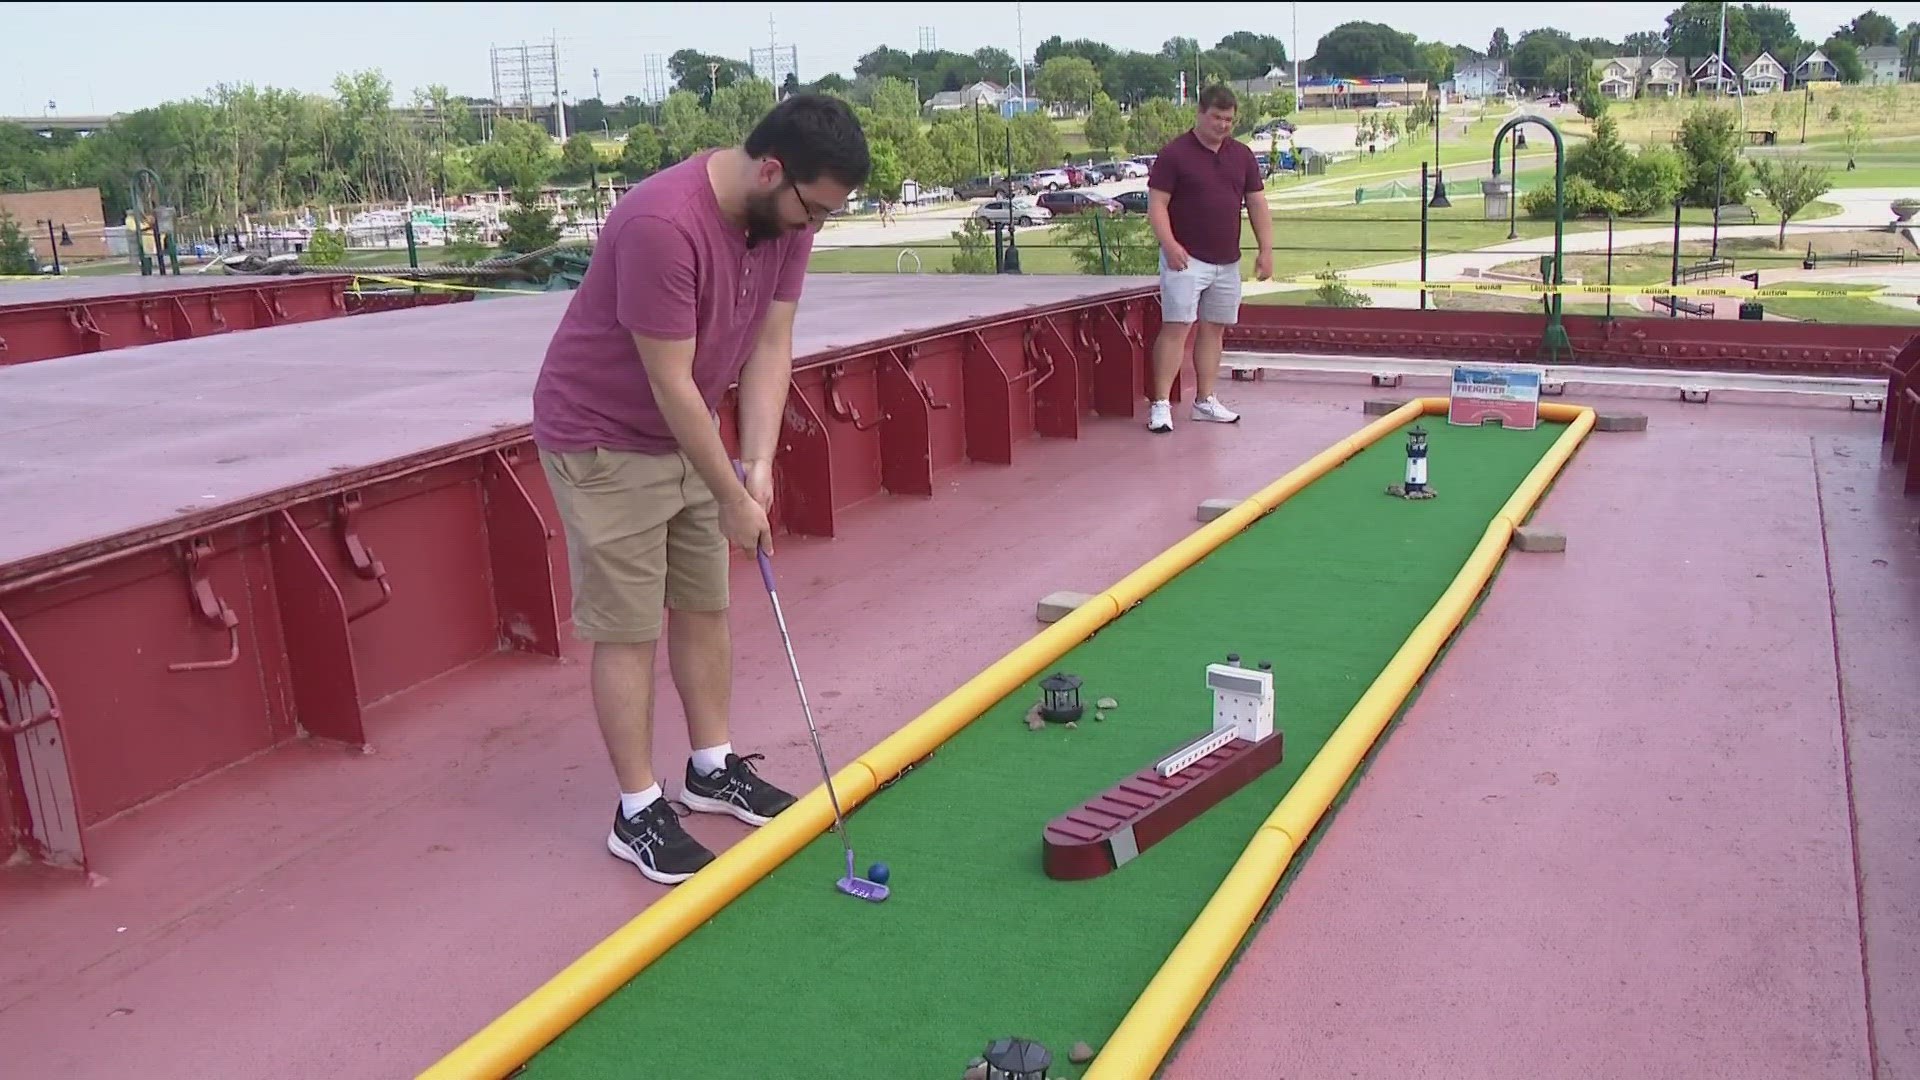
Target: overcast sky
[111,57]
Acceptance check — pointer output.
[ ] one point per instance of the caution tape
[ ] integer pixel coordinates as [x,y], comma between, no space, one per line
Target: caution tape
[446,285]
[1544,289]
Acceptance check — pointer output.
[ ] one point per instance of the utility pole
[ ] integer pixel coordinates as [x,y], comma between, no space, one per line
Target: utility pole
[1020,36]
[1720,77]
[1296,56]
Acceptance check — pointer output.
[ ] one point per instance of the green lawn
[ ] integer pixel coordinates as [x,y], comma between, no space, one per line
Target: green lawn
[977,942]
[1844,309]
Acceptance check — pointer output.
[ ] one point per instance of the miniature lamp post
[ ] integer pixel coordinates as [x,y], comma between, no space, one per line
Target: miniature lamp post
[1061,702]
[1017,1059]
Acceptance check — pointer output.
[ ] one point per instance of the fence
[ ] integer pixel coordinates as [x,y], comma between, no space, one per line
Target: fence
[1385,251]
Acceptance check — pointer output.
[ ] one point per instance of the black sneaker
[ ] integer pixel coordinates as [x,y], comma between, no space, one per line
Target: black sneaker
[736,790]
[654,841]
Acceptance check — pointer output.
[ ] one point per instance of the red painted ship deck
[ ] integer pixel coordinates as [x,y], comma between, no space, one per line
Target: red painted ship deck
[1651,816]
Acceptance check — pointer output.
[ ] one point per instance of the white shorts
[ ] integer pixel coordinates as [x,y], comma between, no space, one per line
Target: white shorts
[1209,291]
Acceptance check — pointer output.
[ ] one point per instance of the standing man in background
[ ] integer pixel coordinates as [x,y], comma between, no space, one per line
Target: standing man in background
[1195,191]
[693,284]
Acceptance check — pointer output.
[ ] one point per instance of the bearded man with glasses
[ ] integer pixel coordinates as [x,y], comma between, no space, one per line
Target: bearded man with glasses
[693,284]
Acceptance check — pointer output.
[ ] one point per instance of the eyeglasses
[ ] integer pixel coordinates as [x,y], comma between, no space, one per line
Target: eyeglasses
[814,213]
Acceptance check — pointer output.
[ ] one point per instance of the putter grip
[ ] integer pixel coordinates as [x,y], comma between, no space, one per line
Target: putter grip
[766,567]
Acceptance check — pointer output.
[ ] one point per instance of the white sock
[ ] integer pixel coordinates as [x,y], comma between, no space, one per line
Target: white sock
[632,802]
[712,759]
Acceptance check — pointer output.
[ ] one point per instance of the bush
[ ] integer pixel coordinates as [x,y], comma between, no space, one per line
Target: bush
[327,247]
[1643,184]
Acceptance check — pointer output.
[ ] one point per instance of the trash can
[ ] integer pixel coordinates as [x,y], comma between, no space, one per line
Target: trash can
[1752,310]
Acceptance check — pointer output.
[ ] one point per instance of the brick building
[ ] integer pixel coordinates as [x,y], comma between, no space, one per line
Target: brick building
[77,210]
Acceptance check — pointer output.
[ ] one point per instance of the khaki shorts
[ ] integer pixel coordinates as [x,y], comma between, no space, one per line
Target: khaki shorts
[643,534]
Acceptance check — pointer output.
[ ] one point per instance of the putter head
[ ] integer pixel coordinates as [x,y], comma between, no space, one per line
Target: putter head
[863,889]
[855,885]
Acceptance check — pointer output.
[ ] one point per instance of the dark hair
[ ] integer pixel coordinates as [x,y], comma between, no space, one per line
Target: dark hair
[811,135]
[1217,96]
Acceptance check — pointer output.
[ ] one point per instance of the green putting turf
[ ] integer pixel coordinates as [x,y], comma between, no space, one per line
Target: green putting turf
[794,979]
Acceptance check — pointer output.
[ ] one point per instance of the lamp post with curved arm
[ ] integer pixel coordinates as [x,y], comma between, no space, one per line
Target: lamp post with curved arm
[1556,336]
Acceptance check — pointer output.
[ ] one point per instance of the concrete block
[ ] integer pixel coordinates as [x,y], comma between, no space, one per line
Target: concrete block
[1382,406]
[1620,421]
[1538,538]
[1058,605]
[1213,508]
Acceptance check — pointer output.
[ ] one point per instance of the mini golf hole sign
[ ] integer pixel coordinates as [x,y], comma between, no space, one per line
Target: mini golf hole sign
[1111,829]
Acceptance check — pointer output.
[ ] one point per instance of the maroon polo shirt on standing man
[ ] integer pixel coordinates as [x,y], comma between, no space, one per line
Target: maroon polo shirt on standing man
[1208,190]
[668,265]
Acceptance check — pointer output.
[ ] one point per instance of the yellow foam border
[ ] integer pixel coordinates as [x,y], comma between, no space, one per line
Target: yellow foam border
[1169,1000]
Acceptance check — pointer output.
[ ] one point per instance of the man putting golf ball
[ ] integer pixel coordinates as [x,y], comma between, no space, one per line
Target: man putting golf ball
[693,285]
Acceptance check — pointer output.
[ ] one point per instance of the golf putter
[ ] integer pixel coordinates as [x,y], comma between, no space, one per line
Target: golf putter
[852,884]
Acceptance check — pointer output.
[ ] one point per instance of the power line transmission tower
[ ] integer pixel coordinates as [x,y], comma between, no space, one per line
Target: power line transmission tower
[654,84]
[775,62]
[926,40]
[527,77]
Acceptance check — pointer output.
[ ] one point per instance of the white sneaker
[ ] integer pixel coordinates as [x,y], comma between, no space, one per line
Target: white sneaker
[1160,416]
[1209,408]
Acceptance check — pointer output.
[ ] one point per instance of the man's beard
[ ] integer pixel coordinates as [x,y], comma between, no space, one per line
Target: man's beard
[763,219]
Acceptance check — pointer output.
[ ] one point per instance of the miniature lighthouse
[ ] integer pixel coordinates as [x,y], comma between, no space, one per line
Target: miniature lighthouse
[1415,486]
[1242,709]
[1416,462]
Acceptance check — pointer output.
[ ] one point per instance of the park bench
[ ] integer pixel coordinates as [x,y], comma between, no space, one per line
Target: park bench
[1735,211]
[1850,258]
[1709,268]
[1685,307]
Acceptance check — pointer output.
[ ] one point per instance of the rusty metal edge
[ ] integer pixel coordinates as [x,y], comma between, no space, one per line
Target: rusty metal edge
[50,566]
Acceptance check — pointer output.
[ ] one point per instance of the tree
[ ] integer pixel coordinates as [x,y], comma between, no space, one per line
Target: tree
[16,251]
[973,248]
[1693,29]
[1067,80]
[1264,50]
[520,155]
[1710,142]
[888,171]
[1136,77]
[1790,184]
[579,158]
[1106,128]
[1156,123]
[1846,59]
[1500,46]
[1365,50]
[530,227]
[1870,28]
[641,156]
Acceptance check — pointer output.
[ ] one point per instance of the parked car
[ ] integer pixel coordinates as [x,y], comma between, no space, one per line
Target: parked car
[1024,211]
[979,187]
[1062,203]
[1133,202]
[1051,180]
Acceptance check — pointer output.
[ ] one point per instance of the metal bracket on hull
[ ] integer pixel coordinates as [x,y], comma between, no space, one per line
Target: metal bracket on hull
[365,562]
[209,607]
[39,800]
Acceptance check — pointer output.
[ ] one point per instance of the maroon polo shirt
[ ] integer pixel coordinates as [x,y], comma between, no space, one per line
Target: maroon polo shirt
[1208,190]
